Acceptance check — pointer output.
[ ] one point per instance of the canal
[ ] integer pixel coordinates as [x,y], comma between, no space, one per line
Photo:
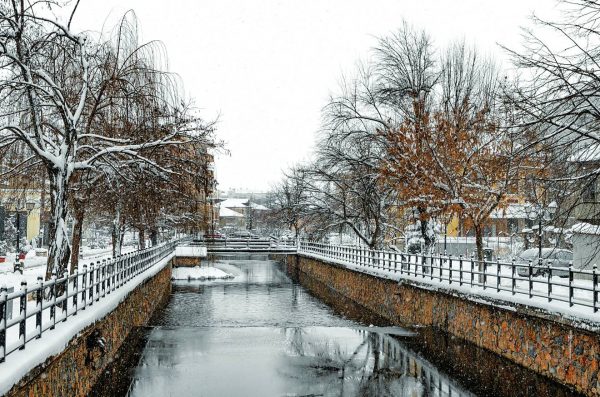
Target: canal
[263,334]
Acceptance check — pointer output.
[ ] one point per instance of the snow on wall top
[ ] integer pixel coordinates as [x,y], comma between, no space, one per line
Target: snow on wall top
[196,252]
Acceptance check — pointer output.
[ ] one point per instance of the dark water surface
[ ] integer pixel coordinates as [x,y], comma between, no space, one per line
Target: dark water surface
[263,334]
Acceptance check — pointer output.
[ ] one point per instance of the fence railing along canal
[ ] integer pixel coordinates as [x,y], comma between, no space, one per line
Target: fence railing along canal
[38,308]
[543,285]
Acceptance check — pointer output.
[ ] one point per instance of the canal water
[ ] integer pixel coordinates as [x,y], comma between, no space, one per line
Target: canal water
[263,334]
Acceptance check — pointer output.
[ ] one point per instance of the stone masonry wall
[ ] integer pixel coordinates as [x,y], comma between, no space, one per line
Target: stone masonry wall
[186,261]
[549,346]
[74,371]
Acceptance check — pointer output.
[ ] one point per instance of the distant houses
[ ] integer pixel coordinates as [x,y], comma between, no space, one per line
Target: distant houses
[240,213]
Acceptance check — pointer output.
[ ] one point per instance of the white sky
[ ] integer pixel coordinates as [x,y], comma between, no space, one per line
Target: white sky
[267,67]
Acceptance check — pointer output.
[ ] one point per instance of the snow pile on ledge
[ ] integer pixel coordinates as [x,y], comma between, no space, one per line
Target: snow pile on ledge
[199,273]
[191,251]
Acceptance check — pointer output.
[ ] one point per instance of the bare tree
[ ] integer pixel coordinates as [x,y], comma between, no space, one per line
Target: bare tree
[59,84]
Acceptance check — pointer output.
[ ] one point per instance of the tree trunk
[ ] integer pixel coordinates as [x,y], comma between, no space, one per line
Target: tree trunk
[43,224]
[479,242]
[427,238]
[479,245]
[141,238]
[77,234]
[116,232]
[154,237]
[59,248]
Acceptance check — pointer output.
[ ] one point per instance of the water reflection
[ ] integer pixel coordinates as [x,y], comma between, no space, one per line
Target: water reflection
[263,334]
[264,361]
[372,364]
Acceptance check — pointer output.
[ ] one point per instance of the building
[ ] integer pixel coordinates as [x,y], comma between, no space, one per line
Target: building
[240,213]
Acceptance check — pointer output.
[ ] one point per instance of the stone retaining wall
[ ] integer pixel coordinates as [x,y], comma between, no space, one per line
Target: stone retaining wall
[74,371]
[186,261]
[544,343]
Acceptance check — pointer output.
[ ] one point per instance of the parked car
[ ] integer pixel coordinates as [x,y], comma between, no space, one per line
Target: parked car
[214,236]
[244,234]
[555,257]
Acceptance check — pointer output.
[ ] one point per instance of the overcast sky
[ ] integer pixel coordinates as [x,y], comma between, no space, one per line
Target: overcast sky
[267,67]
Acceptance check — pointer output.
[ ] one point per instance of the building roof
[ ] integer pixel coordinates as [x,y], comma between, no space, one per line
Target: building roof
[225,212]
[590,153]
[241,203]
[512,211]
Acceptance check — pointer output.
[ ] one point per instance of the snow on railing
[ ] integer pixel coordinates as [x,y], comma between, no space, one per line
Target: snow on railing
[555,288]
[40,307]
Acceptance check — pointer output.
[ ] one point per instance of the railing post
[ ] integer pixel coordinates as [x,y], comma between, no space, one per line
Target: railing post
[460,271]
[65,302]
[3,321]
[84,286]
[75,291]
[113,272]
[530,279]
[570,284]
[484,273]
[53,290]
[498,275]
[432,267]
[472,271]
[549,281]
[103,277]
[512,277]
[91,287]
[39,298]
[98,281]
[23,315]
[595,288]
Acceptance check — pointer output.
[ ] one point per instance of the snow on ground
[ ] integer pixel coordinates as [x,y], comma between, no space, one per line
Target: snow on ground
[35,266]
[199,273]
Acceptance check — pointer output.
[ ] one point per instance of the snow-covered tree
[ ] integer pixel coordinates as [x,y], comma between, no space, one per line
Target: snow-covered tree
[57,89]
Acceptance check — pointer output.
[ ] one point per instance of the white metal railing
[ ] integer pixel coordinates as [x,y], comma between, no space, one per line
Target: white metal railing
[543,282]
[40,307]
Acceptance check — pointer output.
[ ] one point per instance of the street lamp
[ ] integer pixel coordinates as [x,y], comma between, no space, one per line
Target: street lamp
[539,213]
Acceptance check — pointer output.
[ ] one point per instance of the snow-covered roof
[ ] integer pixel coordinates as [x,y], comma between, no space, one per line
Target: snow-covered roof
[590,153]
[513,211]
[586,228]
[225,212]
[234,203]
[241,203]
[258,207]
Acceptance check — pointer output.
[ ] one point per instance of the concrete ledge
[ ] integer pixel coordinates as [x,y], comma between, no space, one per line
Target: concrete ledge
[561,349]
[74,371]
